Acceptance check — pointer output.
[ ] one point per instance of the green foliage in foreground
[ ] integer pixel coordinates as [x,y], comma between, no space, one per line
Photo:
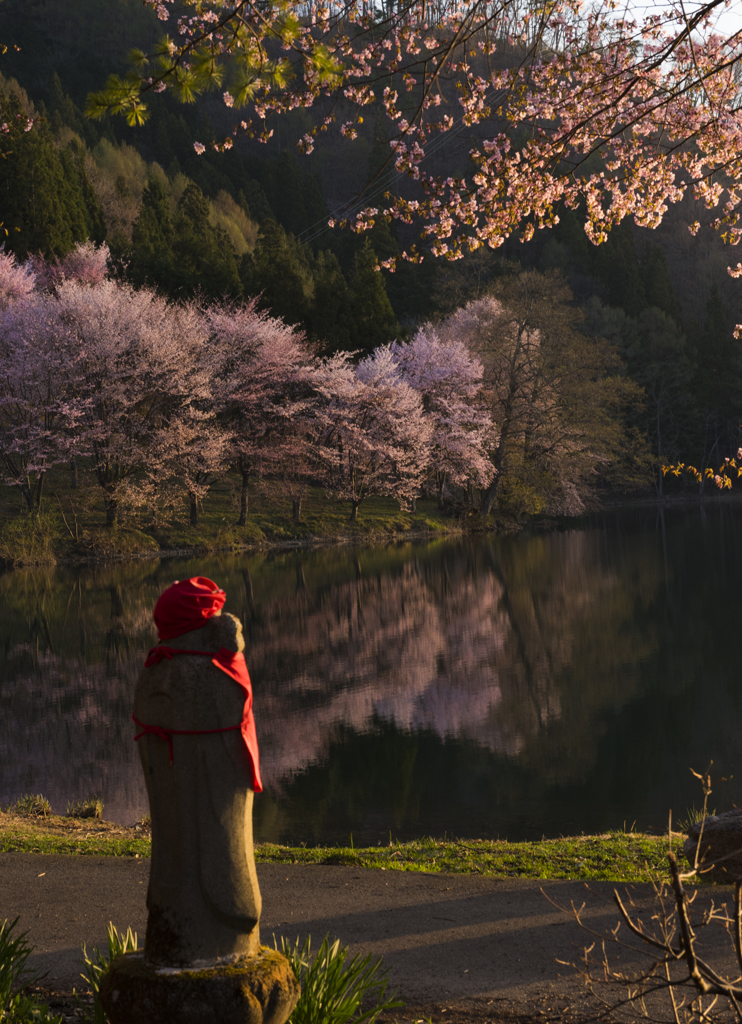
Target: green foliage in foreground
[613,856]
[15,1007]
[33,804]
[333,991]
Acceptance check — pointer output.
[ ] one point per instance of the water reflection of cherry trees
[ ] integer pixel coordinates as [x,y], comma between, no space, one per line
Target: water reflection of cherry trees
[472,647]
[483,673]
[71,650]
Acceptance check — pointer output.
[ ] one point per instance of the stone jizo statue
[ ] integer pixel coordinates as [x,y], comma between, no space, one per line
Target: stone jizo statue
[199,753]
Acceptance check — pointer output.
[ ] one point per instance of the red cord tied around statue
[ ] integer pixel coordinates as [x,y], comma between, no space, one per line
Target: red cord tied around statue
[185,606]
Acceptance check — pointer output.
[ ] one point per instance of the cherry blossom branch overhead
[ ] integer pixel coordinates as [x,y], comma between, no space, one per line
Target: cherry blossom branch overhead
[568,106]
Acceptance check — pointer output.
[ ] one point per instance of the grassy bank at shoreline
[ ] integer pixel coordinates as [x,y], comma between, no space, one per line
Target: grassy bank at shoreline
[612,856]
[71,524]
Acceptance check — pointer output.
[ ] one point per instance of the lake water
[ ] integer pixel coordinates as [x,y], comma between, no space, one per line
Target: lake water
[543,684]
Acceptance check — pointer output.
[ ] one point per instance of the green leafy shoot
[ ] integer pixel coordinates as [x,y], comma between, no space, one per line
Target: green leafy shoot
[166,51]
[333,991]
[208,72]
[120,96]
[281,73]
[98,963]
[33,804]
[90,808]
[186,86]
[288,29]
[245,86]
[14,974]
[327,68]
[16,1008]
[28,1010]
[138,58]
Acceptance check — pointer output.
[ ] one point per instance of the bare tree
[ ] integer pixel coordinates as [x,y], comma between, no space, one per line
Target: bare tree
[689,948]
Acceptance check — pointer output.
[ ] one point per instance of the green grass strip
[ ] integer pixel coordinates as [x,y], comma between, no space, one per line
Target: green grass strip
[613,857]
[20,841]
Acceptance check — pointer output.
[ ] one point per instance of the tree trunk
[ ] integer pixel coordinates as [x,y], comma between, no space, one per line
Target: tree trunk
[660,474]
[354,511]
[441,482]
[28,495]
[33,494]
[296,511]
[242,521]
[74,482]
[489,497]
[112,511]
[194,508]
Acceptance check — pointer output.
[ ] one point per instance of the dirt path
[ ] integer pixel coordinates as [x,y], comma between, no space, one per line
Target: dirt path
[459,947]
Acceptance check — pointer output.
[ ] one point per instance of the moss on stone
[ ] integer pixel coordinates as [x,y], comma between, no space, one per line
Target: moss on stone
[259,989]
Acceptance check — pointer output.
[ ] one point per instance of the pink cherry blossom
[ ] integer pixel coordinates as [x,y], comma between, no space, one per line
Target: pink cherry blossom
[449,379]
[263,395]
[375,436]
[16,281]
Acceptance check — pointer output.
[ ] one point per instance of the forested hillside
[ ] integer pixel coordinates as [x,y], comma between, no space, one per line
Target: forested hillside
[253,222]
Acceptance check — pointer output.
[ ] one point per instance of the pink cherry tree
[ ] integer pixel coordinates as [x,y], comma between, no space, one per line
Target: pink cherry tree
[39,412]
[17,280]
[264,397]
[194,440]
[135,371]
[86,263]
[375,437]
[194,448]
[449,379]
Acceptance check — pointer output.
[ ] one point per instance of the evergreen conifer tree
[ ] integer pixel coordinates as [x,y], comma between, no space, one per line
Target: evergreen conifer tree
[283,186]
[64,111]
[718,382]
[281,270]
[153,236]
[42,200]
[380,161]
[204,259]
[253,201]
[295,199]
[331,317]
[372,311]
[96,221]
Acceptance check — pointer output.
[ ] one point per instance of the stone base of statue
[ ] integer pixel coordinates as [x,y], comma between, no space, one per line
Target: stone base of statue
[259,989]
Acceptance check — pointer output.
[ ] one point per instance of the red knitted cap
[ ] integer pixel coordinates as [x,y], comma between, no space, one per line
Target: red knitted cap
[186,605]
